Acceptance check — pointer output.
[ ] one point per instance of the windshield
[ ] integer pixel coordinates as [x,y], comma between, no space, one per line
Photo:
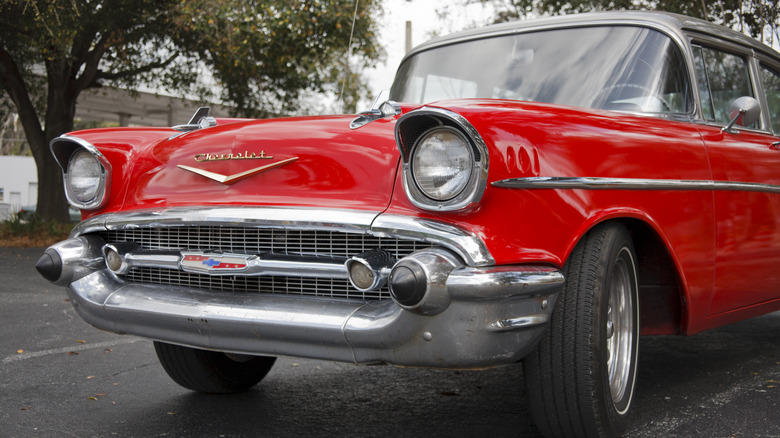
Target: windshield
[616,67]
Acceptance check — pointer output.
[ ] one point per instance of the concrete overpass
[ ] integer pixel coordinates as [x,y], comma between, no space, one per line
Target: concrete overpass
[139,109]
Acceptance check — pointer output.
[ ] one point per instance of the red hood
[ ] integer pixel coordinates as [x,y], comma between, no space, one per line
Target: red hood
[327,164]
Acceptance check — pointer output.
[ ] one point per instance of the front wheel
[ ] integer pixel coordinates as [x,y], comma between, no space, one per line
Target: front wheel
[212,371]
[580,379]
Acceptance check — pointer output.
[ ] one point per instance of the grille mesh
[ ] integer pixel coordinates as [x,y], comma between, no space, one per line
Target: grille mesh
[258,240]
[249,241]
[320,287]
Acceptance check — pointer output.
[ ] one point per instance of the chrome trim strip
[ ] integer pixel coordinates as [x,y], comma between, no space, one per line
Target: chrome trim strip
[466,244]
[254,265]
[588,183]
[267,217]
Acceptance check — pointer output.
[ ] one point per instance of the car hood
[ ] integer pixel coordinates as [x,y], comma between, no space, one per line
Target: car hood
[309,162]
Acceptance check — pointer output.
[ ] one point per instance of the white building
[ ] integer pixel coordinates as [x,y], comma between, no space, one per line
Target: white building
[18,184]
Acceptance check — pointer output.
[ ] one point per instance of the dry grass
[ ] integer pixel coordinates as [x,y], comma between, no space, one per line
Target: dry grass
[31,232]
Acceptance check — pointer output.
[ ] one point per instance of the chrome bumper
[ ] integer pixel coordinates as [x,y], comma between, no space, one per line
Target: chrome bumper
[467,314]
[495,316]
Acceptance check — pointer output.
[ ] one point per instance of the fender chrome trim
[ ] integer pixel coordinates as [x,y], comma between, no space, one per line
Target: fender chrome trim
[589,183]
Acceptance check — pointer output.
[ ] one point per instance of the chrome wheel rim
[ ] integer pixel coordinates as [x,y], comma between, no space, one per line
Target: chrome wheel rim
[620,327]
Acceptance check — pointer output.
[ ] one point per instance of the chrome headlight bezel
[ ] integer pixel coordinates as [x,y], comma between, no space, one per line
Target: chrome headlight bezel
[440,163]
[413,130]
[66,149]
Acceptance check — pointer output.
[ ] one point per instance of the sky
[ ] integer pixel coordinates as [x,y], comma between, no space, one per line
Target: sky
[425,24]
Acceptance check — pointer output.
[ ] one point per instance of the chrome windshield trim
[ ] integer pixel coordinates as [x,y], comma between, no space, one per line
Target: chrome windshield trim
[588,183]
[466,244]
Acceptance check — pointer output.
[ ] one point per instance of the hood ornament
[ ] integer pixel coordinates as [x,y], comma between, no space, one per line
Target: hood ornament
[199,120]
[378,111]
[232,179]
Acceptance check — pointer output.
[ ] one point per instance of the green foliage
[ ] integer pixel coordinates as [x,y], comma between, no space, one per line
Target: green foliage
[263,56]
[758,18]
[26,229]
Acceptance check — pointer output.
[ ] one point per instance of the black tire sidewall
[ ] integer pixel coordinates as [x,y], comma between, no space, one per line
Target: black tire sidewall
[211,371]
[618,249]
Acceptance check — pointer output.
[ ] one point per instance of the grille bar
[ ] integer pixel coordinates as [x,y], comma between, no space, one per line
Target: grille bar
[250,241]
[319,287]
[240,240]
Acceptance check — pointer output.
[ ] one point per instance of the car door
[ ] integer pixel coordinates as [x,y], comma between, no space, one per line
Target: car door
[745,163]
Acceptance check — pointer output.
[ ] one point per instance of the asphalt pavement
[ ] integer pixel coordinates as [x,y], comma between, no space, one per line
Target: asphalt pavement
[60,377]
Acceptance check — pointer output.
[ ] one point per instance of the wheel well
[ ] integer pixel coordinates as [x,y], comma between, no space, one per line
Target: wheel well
[660,291]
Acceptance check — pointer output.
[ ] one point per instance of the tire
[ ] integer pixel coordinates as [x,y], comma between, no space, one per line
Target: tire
[212,371]
[580,379]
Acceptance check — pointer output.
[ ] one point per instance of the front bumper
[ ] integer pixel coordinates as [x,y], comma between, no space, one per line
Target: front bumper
[484,316]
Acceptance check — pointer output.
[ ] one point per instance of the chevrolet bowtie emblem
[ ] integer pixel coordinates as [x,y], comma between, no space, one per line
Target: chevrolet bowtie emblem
[231,179]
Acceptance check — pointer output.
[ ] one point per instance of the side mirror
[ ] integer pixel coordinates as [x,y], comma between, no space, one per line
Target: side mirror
[744,111]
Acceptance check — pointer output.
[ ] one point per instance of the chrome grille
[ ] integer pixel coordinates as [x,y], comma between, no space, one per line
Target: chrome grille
[240,240]
[320,287]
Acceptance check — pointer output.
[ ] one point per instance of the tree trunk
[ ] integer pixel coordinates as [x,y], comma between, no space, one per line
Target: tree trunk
[52,204]
[60,110]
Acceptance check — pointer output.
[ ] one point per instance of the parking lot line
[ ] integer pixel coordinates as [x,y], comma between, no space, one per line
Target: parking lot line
[81,347]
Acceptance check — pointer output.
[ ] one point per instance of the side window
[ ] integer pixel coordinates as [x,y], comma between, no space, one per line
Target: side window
[722,78]
[771,82]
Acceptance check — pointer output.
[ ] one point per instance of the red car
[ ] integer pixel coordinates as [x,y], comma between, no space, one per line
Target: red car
[544,191]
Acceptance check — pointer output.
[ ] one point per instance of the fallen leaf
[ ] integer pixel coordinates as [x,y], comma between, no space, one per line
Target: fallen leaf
[107,350]
[90,377]
[81,341]
[93,398]
[19,351]
[27,408]
[73,353]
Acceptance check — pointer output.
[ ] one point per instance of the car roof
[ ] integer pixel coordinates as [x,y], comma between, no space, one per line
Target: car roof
[674,24]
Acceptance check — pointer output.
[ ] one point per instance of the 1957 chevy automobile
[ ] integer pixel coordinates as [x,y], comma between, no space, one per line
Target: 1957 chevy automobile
[544,191]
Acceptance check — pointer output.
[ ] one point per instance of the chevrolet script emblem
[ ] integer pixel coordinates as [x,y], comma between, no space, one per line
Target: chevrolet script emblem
[231,179]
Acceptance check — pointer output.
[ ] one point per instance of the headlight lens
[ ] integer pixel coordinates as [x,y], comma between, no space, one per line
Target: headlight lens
[441,163]
[85,176]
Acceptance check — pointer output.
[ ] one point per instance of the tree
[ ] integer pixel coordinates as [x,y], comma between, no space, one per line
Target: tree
[263,55]
[758,18]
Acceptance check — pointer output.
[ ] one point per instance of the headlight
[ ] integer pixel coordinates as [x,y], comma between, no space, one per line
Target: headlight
[86,172]
[441,163]
[85,176]
[444,159]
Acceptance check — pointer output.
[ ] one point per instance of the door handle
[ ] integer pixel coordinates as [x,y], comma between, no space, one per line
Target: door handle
[775,146]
